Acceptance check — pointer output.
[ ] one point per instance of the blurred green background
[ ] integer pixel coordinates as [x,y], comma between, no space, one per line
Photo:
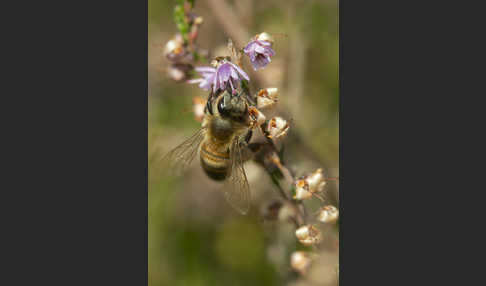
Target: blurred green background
[195,238]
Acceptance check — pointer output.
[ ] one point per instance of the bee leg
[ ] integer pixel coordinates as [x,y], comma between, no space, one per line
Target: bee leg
[247,152]
[248,136]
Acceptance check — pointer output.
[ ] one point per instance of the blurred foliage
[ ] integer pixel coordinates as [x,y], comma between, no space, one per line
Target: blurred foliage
[194,237]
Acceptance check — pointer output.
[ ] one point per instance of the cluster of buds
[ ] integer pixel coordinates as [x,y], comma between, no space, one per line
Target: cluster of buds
[328,214]
[267,98]
[307,186]
[181,50]
[300,261]
[177,54]
[308,235]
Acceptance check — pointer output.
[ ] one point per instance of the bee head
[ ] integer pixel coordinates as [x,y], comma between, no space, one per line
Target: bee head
[232,106]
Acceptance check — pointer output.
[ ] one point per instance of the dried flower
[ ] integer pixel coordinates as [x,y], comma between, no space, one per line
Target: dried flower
[301,190]
[174,49]
[256,117]
[277,127]
[300,261]
[267,98]
[198,105]
[260,50]
[306,186]
[308,235]
[328,214]
[225,74]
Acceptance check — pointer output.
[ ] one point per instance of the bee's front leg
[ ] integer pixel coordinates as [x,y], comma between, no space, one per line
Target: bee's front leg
[248,136]
[247,152]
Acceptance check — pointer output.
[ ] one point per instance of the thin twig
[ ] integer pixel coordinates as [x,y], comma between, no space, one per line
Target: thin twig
[227,18]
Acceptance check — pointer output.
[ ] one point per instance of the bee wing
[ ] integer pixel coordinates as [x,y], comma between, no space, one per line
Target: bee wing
[179,159]
[236,189]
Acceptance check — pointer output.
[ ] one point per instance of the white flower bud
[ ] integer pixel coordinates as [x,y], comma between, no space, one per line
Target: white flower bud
[198,20]
[256,117]
[300,261]
[267,98]
[328,214]
[265,37]
[174,47]
[277,127]
[198,105]
[308,235]
[178,71]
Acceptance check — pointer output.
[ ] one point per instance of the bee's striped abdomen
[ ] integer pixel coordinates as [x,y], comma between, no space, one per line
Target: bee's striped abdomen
[214,163]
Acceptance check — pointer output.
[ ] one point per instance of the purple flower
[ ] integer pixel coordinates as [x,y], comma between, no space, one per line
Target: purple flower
[260,53]
[208,74]
[226,74]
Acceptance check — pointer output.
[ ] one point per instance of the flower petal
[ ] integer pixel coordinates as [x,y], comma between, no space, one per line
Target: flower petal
[240,71]
[205,69]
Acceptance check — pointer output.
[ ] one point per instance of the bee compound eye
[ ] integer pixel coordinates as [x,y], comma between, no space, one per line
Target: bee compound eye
[209,107]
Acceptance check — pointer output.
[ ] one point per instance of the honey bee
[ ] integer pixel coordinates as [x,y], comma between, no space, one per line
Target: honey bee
[226,125]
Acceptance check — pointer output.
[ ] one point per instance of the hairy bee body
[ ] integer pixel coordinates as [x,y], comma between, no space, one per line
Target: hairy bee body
[225,126]
[222,130]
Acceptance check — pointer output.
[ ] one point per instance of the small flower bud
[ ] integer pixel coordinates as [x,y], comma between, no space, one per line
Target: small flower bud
[277,127]
[178,71]
[265,37]
[328,214]
[256,117]
[198,105]
[308,235]
[267,98]
[174,48]
[306,186]
[198,20]
[300,261]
